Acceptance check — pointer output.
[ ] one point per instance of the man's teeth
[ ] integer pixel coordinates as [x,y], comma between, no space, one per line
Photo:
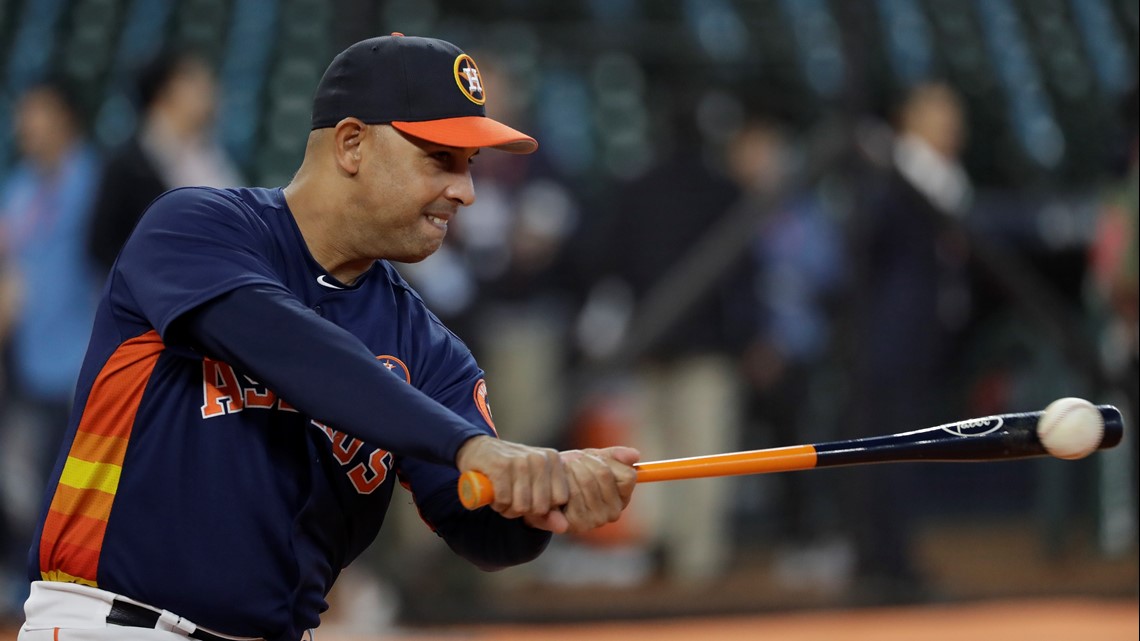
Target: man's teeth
[437,220]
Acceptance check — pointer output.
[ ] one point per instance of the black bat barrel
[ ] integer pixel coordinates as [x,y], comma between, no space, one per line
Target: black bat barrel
[1007,436]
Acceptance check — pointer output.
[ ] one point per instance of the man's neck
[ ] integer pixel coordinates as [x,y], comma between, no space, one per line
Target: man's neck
[318,228]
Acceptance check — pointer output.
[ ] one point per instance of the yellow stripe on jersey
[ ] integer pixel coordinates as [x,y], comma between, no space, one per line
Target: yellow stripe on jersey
[72,538]
[64,577]
[85,475]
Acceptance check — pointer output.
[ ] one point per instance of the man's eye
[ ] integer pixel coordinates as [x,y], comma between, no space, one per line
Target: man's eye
[449,158]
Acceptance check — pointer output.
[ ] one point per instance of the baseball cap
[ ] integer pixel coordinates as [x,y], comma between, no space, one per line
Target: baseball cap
[424,87]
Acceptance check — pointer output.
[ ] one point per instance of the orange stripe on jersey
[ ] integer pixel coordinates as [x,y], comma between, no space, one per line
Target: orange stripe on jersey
[81,505]
[117,390]
[91,503]
[95,448]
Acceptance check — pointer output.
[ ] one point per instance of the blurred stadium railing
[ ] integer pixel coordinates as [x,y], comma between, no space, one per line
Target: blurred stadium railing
[1042,78]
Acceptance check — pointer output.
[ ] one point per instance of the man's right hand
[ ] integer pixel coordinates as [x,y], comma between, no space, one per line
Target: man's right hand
[528,481]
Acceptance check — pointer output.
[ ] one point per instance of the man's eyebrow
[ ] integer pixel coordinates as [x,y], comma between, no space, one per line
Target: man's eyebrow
[434,148]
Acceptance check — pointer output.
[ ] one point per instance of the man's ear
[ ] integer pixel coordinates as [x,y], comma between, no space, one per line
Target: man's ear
[348,136]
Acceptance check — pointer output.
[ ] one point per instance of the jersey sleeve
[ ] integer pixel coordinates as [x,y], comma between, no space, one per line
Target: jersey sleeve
[192,245]
[481,536]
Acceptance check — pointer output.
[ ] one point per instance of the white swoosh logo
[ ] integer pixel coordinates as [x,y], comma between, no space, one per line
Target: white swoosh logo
[324,282]
[975,427]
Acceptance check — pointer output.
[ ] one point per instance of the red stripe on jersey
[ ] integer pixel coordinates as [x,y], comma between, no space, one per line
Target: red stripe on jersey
[78,531]
[75,543]
[77,520]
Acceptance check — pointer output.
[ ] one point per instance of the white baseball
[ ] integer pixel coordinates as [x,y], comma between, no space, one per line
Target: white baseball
[1070,428]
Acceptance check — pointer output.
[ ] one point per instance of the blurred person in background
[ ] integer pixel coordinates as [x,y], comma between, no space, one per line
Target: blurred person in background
[912,300]
[1114,279]
[686,396]
[797,260]
[9,486]
[47,303]
[173,147]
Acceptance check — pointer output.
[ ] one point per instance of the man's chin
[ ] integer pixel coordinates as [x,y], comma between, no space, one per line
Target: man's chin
[417,256]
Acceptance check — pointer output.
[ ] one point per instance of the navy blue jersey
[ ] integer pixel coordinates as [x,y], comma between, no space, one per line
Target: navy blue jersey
[188,484]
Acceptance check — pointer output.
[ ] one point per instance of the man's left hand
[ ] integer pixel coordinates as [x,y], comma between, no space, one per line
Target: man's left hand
[601,485]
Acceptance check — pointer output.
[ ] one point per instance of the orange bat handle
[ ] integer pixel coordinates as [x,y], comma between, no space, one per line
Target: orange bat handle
[475,489]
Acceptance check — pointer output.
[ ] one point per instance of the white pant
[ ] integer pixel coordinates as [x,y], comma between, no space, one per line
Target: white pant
[686,408]
[58,611]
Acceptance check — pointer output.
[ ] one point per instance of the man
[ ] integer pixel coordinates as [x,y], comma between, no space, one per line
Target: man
[259,375]
[913,303]
[48,293]
[796,265]
[688,376]
[172,147]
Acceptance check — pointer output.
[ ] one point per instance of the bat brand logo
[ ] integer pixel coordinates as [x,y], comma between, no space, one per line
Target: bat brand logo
[975,427]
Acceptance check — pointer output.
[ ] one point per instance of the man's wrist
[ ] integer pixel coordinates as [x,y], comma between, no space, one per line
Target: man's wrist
[465,448]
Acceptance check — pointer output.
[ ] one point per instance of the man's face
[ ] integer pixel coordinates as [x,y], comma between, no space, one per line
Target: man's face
[43,126]
[192,94]
[410,189]
[936,116]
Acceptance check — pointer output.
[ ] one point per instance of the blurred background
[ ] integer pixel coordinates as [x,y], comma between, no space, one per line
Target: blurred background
[750,223]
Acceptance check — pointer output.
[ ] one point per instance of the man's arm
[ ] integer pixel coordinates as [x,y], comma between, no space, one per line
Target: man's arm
[601,484]
[327,373]
[482,537]
[9,298]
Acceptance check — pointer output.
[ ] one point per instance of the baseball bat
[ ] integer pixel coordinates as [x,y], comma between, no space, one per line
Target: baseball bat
[1000,437]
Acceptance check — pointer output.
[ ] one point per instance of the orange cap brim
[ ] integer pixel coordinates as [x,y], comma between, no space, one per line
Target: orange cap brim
[470,131]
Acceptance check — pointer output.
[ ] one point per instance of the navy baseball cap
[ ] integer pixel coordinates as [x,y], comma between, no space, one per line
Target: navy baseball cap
[424,87]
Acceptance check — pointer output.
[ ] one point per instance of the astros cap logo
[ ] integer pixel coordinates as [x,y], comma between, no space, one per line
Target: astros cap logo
[468,78]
